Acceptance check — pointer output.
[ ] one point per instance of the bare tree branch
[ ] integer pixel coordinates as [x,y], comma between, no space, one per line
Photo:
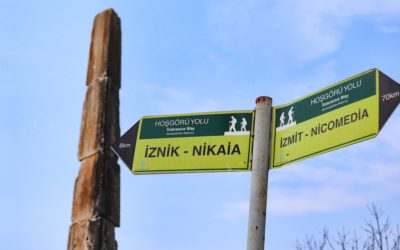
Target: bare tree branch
[378,235]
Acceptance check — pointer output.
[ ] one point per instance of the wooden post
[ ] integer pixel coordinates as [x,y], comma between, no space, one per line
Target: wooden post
[96,204]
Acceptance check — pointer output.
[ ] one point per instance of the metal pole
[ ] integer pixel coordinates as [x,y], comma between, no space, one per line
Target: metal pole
[259,174]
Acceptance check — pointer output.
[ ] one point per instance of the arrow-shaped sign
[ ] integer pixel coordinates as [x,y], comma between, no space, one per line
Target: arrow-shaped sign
[200,142]
[342,114]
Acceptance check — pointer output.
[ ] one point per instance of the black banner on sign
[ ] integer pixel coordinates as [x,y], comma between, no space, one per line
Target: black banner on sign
[125,146]
[389,98]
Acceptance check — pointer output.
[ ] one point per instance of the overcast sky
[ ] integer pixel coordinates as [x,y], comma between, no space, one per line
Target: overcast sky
[184,57]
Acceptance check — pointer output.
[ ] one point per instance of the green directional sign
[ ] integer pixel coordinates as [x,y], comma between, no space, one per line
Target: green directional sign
[200,142]
[347,112]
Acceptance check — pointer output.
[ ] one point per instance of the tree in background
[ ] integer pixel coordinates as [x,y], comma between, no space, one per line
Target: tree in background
[379,234]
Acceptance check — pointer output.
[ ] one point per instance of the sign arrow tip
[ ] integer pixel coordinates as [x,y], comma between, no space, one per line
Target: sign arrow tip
[124,147]
[389,98]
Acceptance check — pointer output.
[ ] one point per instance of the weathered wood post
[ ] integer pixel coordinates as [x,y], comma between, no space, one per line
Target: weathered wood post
[96,204]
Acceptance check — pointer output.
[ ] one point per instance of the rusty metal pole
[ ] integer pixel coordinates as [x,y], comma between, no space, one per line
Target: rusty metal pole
[259,174]
[96,204]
